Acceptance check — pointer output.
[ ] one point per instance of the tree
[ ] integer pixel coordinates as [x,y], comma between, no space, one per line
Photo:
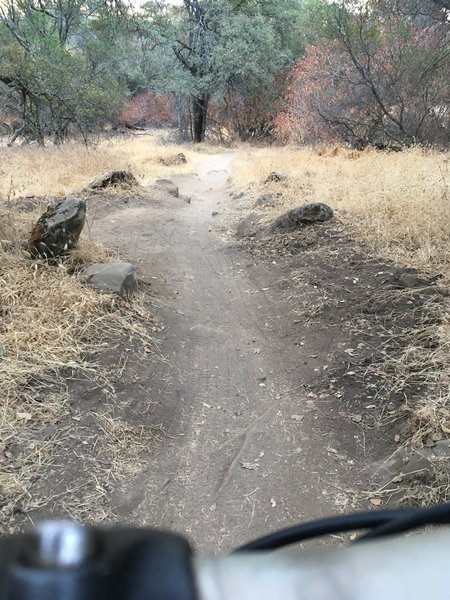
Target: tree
[212,46]
[56,70]
[384,80]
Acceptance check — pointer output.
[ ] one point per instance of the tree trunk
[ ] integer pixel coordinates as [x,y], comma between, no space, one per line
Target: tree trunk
[199,114]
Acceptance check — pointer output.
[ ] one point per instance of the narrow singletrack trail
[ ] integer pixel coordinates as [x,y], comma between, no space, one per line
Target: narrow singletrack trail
[246,447]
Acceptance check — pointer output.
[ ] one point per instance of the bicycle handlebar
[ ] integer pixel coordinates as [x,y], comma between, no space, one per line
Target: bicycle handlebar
[64,561]
[405,568]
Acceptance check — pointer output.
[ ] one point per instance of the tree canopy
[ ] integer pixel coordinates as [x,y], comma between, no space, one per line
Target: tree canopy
[382,78]
[210,47]
[374,72]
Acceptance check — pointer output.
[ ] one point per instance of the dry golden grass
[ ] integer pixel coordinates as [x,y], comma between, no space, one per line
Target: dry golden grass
[398,203]
[61,170]
[398,206]
[50,325]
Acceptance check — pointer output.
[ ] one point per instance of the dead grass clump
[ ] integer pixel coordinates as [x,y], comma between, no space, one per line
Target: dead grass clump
[124,445]
[431,414]
[397,203]
[50,326]
[423,365]
[87,251]
[66,169]
[398,206]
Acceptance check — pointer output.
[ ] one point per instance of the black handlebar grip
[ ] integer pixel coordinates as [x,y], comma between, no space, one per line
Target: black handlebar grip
[128,564]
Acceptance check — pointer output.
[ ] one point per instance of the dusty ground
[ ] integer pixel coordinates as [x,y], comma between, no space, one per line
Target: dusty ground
[253,384]
[248,447]
[262,404]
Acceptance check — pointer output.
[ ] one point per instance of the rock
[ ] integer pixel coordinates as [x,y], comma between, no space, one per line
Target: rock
[113,178]
[186,199]
[411,280]
[275,177]
[178,159]
[57,231]
[410,464]
[315,212]
[168,186]
[111,278]
[214,213]
[388,467]
[248,227]
[441,449]
[418,466]
[266,199]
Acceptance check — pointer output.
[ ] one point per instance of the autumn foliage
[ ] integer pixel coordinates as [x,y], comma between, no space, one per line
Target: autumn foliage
[148,109]
[246,116]
[382,81]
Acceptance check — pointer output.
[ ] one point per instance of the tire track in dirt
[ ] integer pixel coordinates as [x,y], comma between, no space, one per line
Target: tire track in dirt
[246,450]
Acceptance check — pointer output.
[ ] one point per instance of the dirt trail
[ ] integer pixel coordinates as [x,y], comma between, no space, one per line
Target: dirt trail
[247,445]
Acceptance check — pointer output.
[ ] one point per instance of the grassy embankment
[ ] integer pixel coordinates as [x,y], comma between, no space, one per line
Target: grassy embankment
[398,206]
[51,325]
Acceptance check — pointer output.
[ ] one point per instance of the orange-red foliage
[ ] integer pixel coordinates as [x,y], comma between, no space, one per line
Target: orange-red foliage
[391,88]
[148,109]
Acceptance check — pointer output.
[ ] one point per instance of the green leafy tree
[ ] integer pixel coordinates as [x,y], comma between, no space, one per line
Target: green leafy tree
[211,46]
[58,66]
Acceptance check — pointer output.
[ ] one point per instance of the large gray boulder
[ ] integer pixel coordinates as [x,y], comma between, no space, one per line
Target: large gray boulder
[168,186]
[315,212]
[57,231]
[111,278]
[113,179]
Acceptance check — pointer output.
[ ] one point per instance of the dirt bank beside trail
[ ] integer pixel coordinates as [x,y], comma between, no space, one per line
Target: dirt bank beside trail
[260,385]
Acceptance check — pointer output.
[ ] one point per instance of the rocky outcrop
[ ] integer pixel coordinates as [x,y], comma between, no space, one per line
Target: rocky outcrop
[57,231]
[113,179]
[111,278]
[315,212]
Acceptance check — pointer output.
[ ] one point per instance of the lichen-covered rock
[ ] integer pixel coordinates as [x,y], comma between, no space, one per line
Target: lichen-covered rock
[180,159]
[111,278]
[57,231]
[315,212]
[113,178]
[275,177]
